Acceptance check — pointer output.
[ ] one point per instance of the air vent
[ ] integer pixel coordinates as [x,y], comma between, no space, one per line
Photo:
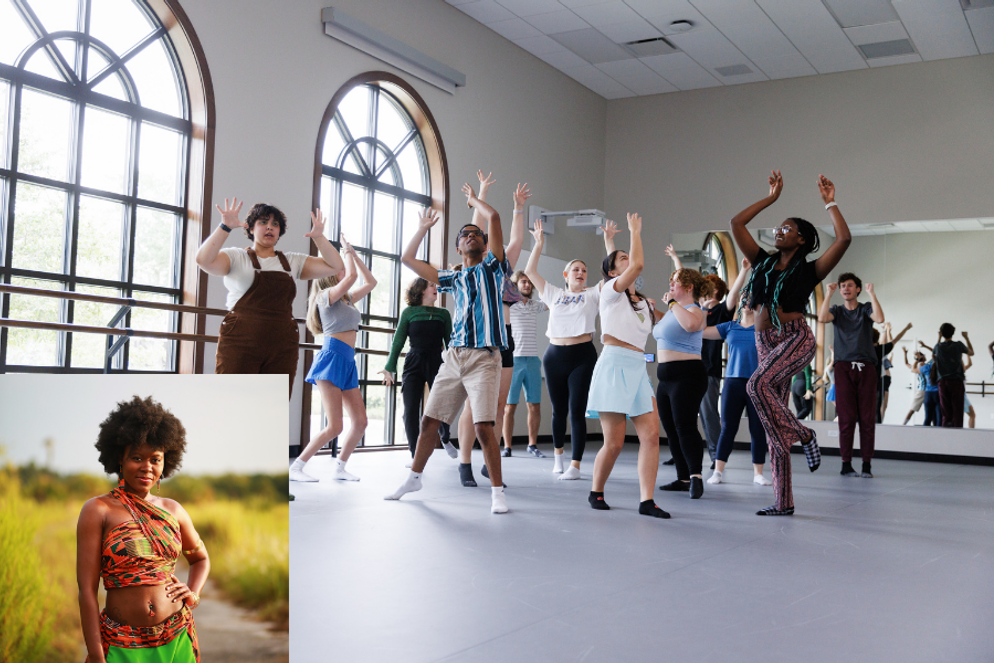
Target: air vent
[886,49]
[733,70]
[655,46]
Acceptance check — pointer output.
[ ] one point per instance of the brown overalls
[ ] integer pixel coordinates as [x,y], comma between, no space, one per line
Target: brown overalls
[259,335]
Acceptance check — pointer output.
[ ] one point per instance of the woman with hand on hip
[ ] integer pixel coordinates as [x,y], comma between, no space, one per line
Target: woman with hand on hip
[331,312]
[778,294]
[570,358]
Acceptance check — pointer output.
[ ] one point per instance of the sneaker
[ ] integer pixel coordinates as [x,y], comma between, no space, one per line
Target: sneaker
[677,486]
[760,480]
[507,452]
[450,449]
[715,477]
[773,511]
[812,453]
[343,475]
[535,451]
[696,488]
[300,475]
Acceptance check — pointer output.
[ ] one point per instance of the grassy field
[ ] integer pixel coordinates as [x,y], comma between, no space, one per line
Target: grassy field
[243,520]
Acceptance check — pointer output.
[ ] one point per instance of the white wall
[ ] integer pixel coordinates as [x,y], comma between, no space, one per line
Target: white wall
[275,71]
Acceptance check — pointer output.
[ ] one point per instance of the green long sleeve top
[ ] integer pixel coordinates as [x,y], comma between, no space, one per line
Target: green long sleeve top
[806,376]
[427,327]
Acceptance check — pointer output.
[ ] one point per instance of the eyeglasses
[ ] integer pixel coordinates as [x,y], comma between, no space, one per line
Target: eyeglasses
[470,233]
[782,230]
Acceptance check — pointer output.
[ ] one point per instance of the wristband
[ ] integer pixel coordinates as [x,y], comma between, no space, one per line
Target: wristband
[519,211]
[831,204]
[672,303]
[196,598]
[225,228]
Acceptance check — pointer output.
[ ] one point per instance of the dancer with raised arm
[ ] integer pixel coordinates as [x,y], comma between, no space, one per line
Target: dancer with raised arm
[950,376]
[527,366]
[429,328]
[620,388]
[570,358]
[471,366]
[918,391]
[259,334]
[331,312]
[778,293]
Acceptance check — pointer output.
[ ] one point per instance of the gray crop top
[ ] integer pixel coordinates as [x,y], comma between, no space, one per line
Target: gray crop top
[339,317]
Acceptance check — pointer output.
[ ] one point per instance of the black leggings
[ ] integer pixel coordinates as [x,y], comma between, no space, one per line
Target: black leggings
[682,385]
[801,404]
[420,368]
[735,399]
[568,369]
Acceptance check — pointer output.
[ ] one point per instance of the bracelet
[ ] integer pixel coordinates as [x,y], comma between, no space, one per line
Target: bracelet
[225,228]
[196,597]
[519,211]
[200,544]
[672,303]
[831,204]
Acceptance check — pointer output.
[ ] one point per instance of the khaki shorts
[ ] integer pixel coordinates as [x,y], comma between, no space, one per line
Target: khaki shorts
[471,374]
[917,400]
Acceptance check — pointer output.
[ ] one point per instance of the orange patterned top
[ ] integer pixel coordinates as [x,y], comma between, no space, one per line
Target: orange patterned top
[142,551]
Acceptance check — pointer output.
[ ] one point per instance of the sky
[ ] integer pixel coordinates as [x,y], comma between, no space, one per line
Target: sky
[234,423]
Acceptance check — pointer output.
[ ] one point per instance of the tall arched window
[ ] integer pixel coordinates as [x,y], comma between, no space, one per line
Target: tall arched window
[99,104]
[379,162]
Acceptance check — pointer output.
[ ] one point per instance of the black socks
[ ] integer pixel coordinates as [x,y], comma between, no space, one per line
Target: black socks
[466,475]
[696,488]
[866,473]
[597,501]
[679,486]
[649,508]
[773,511]
[847,469]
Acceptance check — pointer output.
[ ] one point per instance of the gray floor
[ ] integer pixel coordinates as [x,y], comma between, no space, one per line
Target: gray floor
[895,568]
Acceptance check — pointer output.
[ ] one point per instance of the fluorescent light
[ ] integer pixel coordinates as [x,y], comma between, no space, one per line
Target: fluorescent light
[369,40]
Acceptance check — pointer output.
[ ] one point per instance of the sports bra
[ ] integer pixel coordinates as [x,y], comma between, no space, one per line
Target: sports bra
[339,317]
[142,551]
[671,336]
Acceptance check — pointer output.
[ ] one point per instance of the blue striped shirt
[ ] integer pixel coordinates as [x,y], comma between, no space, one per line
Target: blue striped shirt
[478,321]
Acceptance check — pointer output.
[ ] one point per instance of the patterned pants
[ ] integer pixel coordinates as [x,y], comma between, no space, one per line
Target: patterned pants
[783,354]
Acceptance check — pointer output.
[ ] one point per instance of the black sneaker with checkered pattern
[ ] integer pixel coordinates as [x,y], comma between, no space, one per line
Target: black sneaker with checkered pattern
[774,511]
[811,452]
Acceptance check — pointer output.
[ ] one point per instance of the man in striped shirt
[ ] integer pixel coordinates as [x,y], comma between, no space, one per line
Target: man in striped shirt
[527,366]
[471,368]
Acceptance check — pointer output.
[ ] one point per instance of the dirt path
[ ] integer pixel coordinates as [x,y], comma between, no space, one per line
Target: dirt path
[229,634]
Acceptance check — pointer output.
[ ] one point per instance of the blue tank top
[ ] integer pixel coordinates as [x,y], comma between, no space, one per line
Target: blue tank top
[671,336]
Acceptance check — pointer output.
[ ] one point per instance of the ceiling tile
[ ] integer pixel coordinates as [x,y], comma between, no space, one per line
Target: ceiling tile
[599,82]
[861,12]
[622,33]
[894,59]
[592,46]
[540,45]
[680,70]
[871,34]
[607,13]
[937,27]
[815,33]
[515,28]
[637,77]
[661,14]
[966,224]
[486,11]
[459,2]
[529,7]
[982,25]
[582,3]
[558,21]
[937,226]
[711,49]
[563,60]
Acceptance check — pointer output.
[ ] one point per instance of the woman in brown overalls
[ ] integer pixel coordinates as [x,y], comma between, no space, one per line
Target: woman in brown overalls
[259,335]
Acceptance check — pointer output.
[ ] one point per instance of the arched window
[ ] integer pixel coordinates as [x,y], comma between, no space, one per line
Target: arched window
[99,104]
[379,162]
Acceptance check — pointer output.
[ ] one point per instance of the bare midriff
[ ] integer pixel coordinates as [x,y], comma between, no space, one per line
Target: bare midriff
[571,340]
[611,340]
[347,337]
[763,321]
[675,355]
[143,605]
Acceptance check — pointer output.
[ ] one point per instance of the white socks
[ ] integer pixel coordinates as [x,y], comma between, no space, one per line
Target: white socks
[412,485]
[715,477]
[558,467]
[450,449]
[498,503]
[340,472]
[297,472]
[570,474]
[759,479]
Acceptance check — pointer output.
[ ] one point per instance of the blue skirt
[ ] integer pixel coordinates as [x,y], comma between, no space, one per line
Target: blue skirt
[620,384]
[336,364]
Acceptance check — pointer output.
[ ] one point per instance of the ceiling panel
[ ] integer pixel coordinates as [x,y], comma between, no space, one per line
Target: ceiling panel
[608,13]
[661,14]
[815,33]
[540,45]
[622,33]
[711,49]
[558,21]
[599,82]
[862,12]
[966,224]
[563,60]
[937,226]
[869,34]
[529,7]
[515,28]
[680,70]
[592,46]
[459,2]
[582,3]
[937,27]
[894,59]
[486,11]
[982,25]
[637,77]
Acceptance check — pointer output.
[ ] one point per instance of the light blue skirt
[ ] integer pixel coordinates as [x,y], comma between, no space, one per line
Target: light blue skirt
[620,384]
[336,364]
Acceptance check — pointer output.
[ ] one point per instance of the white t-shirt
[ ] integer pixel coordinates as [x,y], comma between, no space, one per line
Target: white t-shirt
[621,321]
[571,314]
[524,319]
[242,274]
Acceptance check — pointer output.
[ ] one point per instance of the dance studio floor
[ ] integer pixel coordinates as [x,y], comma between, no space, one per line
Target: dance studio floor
[895,568]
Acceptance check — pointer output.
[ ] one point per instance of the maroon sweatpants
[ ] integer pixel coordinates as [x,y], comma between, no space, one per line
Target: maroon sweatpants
[951,395]
[856,403]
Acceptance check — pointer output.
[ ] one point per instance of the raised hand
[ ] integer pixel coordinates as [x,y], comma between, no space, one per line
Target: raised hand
[776,184]
[537,232]
[521,194]
[470,195]
[635,223]
[317,224]
[346,246]
[869,288]
[387,378]
[229,215]
[428,218]
[610,228]
[887,326]
[486,181]
[746,264]
[670,251]
[826,189]
[832,287]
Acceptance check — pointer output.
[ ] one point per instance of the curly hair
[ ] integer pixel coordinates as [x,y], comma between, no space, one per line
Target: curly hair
[694,281]
[264,211]
[137,422]
[849,276]
[720,288]
[415,293]
[517,276]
